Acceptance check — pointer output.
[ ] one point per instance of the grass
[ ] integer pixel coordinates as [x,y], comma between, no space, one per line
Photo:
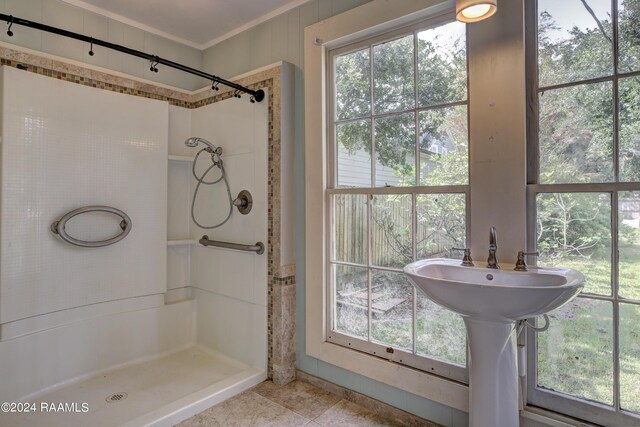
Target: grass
[630,357]
[575,356]
[598,274]
[576,353]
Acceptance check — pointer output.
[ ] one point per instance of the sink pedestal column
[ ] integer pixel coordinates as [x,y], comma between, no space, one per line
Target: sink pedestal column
[493,374]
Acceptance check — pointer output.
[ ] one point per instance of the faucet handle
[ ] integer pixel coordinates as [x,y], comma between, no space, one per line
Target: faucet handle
[466,260]
[521,265]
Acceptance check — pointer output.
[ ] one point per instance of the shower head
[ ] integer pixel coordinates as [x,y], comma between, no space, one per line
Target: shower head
[194,141]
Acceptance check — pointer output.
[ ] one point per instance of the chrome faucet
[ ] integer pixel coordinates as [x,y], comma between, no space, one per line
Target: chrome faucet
[492,262]
[521,264]
[466,260]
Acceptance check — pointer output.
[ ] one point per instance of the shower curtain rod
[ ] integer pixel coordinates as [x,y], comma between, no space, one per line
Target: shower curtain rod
[257,95]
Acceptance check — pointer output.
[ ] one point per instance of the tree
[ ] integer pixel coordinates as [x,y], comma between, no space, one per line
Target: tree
[441,79]
[573,224]
[576,126]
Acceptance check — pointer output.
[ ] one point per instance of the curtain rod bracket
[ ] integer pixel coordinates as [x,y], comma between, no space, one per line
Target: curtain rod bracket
[10,22]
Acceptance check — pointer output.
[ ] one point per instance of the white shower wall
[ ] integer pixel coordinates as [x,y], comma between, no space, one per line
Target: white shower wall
[68,312]
[230,287]
[102,148]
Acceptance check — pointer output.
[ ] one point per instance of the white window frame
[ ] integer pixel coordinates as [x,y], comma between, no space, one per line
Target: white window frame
[412,359]
[540,397]
[372,18]
[497,167]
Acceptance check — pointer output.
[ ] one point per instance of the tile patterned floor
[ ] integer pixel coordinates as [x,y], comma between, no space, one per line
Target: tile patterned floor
[296,404]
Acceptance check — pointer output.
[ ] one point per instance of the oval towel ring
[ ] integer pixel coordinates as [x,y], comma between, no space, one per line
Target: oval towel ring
[57,227]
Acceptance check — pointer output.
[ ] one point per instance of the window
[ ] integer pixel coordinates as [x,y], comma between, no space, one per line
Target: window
[398,191]
[584,195]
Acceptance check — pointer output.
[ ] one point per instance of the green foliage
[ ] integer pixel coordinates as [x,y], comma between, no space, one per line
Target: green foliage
[393,86]
[576,127]
[571,224]
[442,75]
[580,55]
[441,224]
[354,136]
[352,85]
[395,145]
[448,125]
[629,29]
[441,79]
[576,134]
[629,89]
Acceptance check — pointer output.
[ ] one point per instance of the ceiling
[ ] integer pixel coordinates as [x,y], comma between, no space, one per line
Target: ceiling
[196,23]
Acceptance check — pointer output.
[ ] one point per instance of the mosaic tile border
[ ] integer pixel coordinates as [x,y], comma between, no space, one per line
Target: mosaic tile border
[281,281]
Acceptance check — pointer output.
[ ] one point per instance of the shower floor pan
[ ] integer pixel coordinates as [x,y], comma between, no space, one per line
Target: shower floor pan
[159,392]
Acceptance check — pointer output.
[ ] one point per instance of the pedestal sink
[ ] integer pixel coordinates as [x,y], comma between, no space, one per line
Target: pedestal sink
[491,301]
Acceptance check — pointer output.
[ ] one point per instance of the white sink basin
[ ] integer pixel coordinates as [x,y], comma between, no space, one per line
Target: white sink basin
[490,301]
[495,295]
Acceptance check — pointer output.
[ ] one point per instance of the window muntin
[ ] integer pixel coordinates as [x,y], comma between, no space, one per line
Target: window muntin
[398,191]
[583,194]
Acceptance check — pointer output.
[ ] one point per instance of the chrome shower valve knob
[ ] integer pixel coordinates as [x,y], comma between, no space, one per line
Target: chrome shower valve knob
[244,202]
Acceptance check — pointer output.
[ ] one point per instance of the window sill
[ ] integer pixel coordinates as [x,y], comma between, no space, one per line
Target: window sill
[551,419]
[420,383]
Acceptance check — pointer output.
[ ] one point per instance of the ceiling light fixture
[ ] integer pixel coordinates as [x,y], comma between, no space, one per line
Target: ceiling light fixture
[475,10]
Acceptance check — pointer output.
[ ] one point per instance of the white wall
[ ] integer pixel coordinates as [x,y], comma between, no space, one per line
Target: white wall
[230,287]
[103,148]
[63,15]
[279,39]
[497,155]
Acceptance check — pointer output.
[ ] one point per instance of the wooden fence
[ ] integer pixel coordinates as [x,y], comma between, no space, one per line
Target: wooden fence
[391,231]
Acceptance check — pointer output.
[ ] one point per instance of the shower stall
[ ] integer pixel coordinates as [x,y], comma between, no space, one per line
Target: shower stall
[110,308]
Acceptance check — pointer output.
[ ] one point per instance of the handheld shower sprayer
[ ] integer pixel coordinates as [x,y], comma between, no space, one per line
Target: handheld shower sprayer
[209,147]
[216,160]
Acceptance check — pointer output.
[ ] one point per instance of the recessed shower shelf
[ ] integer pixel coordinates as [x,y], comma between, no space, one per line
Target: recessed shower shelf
[181,242]
[180,158]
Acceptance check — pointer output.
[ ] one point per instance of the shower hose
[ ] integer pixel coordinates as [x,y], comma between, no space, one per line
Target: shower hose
[217,161]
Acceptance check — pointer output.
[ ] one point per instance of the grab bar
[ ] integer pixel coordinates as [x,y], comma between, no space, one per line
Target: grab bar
[257,248]
[58,227]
